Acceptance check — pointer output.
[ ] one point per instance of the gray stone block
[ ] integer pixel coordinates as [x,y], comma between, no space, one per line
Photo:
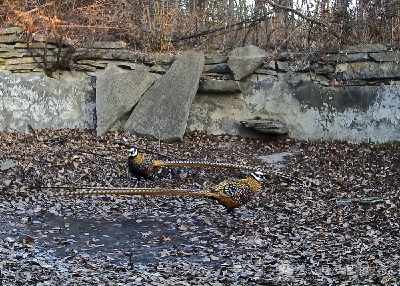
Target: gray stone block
[219,86]
[355,57]
[269,126]
[221,68]
[11,30]
[282,66]
[117,92]
[266,72]
[301,67]
[244,61]
[215,59]
[290,56]
[109,45]
[163,111]
[363,48]
[12,35]
[386,57]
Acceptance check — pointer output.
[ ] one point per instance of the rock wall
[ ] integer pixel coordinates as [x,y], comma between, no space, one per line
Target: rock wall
[352,93]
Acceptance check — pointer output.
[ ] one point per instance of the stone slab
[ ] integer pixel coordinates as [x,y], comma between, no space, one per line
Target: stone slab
[117,92]
[267,126]
[221,68]
[244,61]
[109,45]
[386,57]
[11,30]
[363,48]
[215,59]
[163,111]
[219,86]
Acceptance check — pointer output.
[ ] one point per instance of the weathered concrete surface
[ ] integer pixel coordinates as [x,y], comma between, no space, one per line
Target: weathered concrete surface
[117,91]
[309,111]
[219,114]
[40,101]
[244,61]
[163,111]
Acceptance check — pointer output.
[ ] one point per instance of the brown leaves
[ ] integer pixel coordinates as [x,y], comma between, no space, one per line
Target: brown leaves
[286,235]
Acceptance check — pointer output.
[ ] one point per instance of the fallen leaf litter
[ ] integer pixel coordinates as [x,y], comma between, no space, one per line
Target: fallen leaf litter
[343,230]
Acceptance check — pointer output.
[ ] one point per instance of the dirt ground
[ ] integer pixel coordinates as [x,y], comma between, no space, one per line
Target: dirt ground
[341,230]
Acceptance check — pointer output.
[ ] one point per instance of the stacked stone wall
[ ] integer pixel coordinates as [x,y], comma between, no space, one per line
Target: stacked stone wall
[351,93]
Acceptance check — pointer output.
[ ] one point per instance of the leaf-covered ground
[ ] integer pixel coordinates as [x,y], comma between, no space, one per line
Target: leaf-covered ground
[344,229]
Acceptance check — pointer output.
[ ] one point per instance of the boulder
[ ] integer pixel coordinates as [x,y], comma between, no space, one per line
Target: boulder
[244,61]
[163,111]
[117,92]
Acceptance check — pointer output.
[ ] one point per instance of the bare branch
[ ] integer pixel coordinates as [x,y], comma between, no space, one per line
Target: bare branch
[308,19]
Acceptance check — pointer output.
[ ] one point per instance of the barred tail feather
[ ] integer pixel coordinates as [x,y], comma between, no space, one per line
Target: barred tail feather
[81,191]
[229,166]
[205,164]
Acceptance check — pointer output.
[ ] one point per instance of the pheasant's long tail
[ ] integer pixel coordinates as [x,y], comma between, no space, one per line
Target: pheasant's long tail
[229,166]
[82,190]
[204,164]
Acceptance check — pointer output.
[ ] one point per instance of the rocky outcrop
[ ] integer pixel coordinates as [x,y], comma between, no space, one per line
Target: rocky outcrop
[163,111]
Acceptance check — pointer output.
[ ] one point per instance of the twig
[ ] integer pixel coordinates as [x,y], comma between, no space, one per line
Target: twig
[224,28]
[85,152]
[364,201]
[309,19]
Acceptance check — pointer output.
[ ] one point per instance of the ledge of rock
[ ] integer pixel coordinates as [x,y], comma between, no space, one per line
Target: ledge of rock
[219,86]
[269,126]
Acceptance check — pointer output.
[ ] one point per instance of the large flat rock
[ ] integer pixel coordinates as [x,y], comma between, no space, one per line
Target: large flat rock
[244,61]
[163,111]
[117,92]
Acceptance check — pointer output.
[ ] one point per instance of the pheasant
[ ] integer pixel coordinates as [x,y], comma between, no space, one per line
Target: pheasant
[230,194]
[142,166]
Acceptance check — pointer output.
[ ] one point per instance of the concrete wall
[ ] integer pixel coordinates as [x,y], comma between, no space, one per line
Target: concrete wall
[351,113]
[34,100]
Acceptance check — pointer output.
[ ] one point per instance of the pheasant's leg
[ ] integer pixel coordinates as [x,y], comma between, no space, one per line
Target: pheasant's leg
[228,220]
